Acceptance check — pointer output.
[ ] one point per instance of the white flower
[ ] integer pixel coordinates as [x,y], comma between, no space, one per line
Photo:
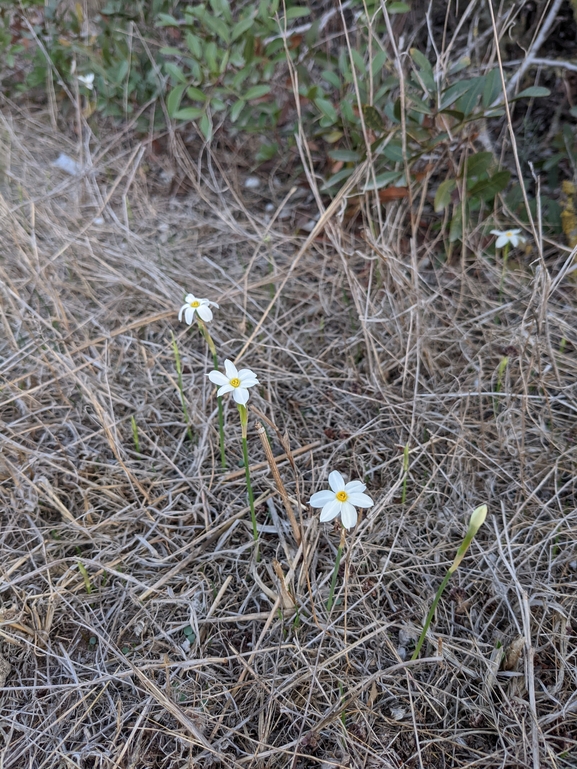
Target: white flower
[507,236]
[341,500]
[87,80]
[235,382]
[192,305]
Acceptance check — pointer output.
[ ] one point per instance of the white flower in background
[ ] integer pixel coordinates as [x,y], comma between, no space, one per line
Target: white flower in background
[508,236]
[87,80]
[192,305]
[341,499]
[235,382]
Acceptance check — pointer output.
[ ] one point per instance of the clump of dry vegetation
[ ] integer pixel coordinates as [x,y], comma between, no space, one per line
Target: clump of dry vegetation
[138,627]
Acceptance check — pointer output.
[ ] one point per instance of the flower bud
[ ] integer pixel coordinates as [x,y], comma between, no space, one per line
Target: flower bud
[477,519]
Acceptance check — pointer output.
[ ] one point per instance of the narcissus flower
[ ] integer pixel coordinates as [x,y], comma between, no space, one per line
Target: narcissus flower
[235,382]
[508,236]
[341,499]
[87,80]
[192,305]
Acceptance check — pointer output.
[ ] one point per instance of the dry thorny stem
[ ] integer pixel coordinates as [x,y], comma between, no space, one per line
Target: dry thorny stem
[136,627]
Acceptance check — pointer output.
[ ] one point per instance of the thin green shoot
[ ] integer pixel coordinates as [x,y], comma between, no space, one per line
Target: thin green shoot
[336,569]
[243,413]
[181,387]
[405,473]
[504,270]
[477,518]
[135,437]
[211,346]
[85,577]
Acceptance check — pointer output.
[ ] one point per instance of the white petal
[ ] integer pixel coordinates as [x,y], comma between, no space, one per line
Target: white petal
[348,515]
[213,304]
[514,240]
[501,241]
[182,309]
[204,312]
[240,395]
[217,378]
[224,390]
[189,314]
[249,382]
[336,481]
[321,498]
[514,232]
[497,232]
[246,373]
[360,500]
[190,298]
[354,486]
[330,511]
[230,369]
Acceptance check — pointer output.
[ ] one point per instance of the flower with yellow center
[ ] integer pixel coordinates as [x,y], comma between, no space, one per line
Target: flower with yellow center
[234,381]
[504,237]
[193,305]
[341,499]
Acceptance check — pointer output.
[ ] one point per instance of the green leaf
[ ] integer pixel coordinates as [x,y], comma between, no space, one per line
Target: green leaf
[358,61]
[493,88]
[468,101]
[347,111]
[189,113]
[418,105]
[266,152]
[175,71]
[330,77]
[218,26]
[378,62]
[169,50]
[398,8]
[297,12]
[210,53]
[166,20]
[486,189]
[373,119]
[222,8]
[256,92]
[534,92]
[241,27]
[348,156]
[394,151]
[327,109]
[194,45]
[425,69]
[196,94]
[479,163]
[344,173]
[383,180]
[456,228]
[174,98]
[443,194]
[451,94]
[205,126]
[237,108]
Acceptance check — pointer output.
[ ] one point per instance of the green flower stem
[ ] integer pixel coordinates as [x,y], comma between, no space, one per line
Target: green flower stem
[211,346]
[477,520]
[430,615]
[336,569]
[504,270]
[243,412]
[181,387]
[405,472]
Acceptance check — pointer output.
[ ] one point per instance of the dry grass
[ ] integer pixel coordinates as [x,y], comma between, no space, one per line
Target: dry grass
[108,555]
